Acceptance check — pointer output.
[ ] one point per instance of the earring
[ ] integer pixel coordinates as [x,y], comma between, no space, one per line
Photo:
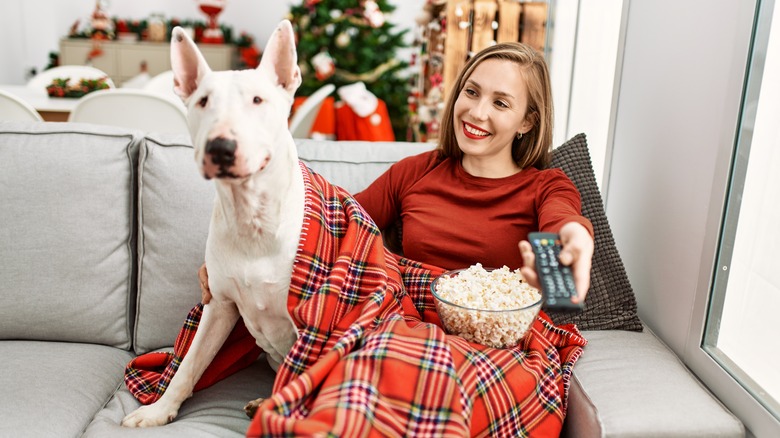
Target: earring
[519,135]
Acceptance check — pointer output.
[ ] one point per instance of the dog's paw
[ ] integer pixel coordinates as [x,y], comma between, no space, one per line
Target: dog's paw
[251,407]
[148,416]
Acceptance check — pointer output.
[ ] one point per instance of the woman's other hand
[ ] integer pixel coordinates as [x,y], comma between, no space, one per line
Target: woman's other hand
[205,292]
[577,252]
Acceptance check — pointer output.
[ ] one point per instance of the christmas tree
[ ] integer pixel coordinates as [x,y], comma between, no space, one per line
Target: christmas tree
[346,41]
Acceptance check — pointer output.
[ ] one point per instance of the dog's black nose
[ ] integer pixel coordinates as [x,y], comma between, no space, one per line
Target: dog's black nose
[222,151]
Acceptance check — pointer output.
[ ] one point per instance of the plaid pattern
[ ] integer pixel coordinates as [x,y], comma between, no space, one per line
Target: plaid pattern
[147,376]
[371,358]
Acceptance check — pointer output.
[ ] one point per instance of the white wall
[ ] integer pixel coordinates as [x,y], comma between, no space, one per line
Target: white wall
[583,71]
[677,111]
[594,75]
[12,45]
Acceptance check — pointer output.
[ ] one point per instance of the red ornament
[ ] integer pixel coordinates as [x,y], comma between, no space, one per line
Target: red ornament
[250,56]
[212,8]
[436,79]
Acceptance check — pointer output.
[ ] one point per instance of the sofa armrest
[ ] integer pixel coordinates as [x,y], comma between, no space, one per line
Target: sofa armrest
[631,384]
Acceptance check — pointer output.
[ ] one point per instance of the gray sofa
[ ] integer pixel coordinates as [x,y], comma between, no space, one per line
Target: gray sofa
[103,230]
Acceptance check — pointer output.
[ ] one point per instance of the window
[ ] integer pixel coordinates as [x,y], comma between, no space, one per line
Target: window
[740,333]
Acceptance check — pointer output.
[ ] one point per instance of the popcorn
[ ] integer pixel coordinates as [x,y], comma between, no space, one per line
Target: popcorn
[493,308]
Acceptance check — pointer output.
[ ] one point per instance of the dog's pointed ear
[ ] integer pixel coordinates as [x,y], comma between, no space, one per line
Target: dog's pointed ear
[188,64]
[280,59]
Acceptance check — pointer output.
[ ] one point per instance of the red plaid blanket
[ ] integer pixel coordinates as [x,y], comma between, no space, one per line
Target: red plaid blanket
[371,358]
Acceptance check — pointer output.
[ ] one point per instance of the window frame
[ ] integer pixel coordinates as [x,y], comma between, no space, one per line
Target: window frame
[730,176]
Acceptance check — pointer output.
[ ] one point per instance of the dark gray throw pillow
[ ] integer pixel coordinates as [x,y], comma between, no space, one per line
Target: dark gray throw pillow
[610,304]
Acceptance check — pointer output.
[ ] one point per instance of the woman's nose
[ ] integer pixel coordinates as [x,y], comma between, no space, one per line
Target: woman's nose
[479,110]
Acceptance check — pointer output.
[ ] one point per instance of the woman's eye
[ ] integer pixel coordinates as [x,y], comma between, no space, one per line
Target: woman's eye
[257,100]
[203,101]
[470,92]
[501,104]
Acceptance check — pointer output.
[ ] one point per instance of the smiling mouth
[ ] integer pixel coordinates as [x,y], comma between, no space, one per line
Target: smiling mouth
[472,131]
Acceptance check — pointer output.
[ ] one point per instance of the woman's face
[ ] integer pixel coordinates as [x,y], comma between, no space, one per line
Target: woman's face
[490,110]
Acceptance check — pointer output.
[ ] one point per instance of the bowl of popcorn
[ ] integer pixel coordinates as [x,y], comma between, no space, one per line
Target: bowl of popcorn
[492,307]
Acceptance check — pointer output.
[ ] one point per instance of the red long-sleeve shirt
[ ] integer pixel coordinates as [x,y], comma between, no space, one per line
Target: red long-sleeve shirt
[452,219]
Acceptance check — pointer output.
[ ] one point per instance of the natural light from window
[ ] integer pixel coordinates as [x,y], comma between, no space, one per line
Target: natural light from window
[741,330]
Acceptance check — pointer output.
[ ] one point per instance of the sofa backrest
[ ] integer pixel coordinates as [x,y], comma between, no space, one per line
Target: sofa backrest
[104,229]
[67,238]
[353,165]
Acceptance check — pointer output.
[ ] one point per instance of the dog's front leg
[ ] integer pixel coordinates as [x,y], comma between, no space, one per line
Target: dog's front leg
[216,322]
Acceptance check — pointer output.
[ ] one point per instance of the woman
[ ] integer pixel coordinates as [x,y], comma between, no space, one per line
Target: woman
[486,186]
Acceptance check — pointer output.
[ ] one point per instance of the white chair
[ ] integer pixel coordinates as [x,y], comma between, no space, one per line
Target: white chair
[12,108]
[304,116]
[137,109]
[74,72]
[162,83]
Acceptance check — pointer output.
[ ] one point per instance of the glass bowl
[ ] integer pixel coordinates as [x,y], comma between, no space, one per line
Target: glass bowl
[505,310]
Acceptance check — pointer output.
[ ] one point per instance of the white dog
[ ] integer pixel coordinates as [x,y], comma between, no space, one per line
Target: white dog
[238,124]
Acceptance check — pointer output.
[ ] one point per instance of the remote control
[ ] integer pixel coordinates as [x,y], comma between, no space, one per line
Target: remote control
[555,278]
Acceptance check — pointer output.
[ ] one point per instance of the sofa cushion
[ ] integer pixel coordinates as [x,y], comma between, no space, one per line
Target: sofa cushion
[54,389]
[610,303]
[629,384]
[216,411]
[67,239]
[174,211]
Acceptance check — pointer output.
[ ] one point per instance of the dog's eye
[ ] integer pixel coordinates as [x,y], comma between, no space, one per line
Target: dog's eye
[257,100]
[203,101]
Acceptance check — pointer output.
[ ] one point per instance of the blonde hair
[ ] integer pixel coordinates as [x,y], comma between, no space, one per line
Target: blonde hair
[535,146]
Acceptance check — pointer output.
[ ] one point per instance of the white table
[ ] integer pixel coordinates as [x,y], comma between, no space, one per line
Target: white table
[52,109]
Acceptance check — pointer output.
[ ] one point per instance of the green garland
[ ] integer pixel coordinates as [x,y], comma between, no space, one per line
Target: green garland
[61,87]
[138,27]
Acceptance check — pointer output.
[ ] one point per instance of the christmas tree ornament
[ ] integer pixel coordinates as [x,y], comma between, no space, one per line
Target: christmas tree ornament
[303,22]
[423,18]
[436,80]
[373,14]
[458,11]
[323,64]
[357,96]
[424,113]
[305,70]
[343,39]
